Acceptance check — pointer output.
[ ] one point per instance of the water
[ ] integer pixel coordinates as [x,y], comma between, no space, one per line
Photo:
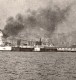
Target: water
[37,66]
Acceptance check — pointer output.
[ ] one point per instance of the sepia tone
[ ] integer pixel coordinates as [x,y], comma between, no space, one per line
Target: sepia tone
[37,40]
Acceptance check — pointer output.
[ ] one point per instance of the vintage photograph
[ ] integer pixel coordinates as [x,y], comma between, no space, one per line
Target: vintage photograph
[37,39]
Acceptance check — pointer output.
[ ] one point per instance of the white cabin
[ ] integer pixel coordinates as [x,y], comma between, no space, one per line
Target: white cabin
[1,35]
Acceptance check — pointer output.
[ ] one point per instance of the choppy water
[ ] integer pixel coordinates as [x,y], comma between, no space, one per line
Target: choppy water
[37,66]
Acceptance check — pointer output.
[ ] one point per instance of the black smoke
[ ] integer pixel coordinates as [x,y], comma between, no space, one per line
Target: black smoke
[13,27]
[48,19]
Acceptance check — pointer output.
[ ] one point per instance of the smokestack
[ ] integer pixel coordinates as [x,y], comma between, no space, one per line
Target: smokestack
[18,42]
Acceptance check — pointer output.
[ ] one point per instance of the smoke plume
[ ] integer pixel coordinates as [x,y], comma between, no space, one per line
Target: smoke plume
[50,19]
[13,27]
[46,19]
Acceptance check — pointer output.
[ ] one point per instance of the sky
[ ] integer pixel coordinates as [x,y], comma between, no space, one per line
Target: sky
[12,7]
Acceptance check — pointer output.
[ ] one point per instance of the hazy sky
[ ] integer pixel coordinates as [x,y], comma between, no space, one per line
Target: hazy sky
[12,7]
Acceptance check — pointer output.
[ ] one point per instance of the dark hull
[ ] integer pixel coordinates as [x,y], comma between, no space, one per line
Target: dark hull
[43,49]
[48,49]
[27,49]
[32,49]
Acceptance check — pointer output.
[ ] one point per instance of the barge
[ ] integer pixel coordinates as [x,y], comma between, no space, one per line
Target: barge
[42,49]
